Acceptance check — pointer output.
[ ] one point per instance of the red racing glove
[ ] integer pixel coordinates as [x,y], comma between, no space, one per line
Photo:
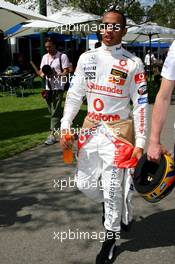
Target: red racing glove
[126,155]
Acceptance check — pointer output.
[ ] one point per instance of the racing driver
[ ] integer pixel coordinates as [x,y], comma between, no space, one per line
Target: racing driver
[110,77]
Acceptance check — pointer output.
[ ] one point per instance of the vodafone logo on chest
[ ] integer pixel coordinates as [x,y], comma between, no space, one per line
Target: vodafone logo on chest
[98,104]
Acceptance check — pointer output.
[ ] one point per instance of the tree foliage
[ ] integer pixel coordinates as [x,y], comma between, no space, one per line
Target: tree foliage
[131,8]
[136,12]
[15,2]
[162,12]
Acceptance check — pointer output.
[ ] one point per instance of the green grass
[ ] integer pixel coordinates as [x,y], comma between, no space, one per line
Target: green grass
[24,122]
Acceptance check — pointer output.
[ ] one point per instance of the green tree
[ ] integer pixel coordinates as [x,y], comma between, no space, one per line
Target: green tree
[136,12]
[131,8]
[162,12]
[15,2]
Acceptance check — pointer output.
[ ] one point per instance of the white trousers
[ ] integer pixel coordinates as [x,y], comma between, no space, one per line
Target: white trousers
[99,179]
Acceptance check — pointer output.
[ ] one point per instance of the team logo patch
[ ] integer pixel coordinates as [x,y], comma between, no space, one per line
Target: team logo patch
[140,77]
[89,68]
[90,75]
[100,116]
[105,89]
[92,59]
[120,68]
[98,104]
[143,100]
[116,80]
[142,120]
[142,90]
[119,73]
[123,63]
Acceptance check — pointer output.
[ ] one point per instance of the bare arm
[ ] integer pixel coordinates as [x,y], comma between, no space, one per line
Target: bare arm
[38,72]
[65,72]
[160,109]
[158,118]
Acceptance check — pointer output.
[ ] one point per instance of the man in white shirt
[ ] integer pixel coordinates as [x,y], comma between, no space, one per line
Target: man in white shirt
[162,102]
[149,60]
[59,64]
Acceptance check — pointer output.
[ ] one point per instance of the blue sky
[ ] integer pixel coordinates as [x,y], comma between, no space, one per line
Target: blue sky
[147,2]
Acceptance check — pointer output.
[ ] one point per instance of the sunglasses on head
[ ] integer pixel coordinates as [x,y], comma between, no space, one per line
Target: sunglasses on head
[111,26]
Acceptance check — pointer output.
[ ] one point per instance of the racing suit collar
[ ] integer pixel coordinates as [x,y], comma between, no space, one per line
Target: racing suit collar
[111,49]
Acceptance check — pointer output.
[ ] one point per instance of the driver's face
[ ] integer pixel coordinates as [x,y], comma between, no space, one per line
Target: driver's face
[113,29]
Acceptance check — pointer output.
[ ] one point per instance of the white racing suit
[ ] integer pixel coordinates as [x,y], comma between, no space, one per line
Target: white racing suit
[109,77]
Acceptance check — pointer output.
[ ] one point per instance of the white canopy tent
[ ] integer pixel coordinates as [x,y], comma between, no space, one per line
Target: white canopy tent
[73,21]
[148,30]
[11,14]
[68,20]
[151,28]
[71,15]
[166,39]
[145,32]
[32,27]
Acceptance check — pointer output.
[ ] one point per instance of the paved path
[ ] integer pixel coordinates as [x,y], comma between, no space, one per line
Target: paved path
[33,209]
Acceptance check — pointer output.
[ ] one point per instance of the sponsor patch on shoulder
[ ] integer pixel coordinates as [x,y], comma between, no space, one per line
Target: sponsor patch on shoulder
[143,100]
[142,90]
[140,77]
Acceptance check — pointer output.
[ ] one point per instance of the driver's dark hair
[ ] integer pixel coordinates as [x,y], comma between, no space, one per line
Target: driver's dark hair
[113,10]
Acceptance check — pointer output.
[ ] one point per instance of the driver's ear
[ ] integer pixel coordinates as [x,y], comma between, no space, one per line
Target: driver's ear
[124,32]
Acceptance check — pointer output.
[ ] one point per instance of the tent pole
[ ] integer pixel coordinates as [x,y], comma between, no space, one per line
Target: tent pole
[150,66]
[43,11]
